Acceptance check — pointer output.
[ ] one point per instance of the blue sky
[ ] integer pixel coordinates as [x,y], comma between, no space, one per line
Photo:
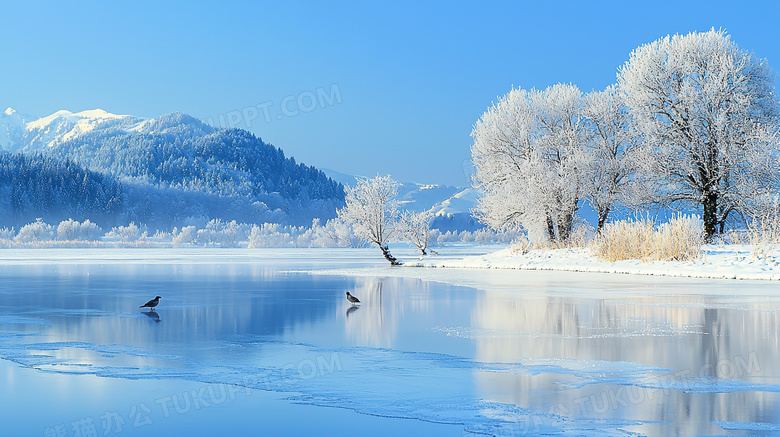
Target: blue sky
[358,87]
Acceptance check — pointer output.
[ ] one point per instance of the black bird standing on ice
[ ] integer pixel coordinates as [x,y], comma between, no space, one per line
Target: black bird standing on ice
[352,299]
[152,303]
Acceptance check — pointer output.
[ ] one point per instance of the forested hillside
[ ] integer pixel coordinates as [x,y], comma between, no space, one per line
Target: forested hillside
[165,172]
[230,162]
[34,185]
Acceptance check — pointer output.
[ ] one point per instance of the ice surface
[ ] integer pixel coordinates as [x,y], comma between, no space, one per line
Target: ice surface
[515,353]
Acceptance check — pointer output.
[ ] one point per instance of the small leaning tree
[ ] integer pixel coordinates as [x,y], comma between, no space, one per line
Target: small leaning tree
[372,208]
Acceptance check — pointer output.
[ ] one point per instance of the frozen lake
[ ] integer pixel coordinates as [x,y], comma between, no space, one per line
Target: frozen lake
[264,341]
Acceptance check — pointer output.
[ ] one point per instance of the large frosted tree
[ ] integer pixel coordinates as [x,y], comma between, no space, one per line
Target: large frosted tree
[530,156]
[372,208]
[707,111]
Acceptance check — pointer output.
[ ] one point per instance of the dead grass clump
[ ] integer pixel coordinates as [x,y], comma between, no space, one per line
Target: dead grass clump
[763,233]
[680,239]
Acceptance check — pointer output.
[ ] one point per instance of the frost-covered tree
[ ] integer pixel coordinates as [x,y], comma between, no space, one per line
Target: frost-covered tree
[72,230]
[415,227]
[613,151]
[128,234]
[270,235]
[187,235]
[35,232]
[530,156]
[708,113]
[372,208]
[337,233]
[222,233]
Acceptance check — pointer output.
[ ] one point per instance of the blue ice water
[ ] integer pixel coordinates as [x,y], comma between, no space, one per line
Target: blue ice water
[495,362]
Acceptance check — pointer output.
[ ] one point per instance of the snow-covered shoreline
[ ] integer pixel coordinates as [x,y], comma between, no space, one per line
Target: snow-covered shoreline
[716,262]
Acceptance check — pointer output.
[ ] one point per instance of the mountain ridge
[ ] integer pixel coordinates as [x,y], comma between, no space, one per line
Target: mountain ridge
[174,169]
[23,132]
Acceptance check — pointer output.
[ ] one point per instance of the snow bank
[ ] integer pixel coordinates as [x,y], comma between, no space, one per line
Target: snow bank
[716,262]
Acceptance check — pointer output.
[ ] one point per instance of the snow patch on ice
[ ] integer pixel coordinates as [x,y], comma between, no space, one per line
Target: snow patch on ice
[748,426]
[484,333]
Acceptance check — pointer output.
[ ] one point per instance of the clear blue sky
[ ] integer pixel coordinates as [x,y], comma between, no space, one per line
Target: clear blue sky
[411,77]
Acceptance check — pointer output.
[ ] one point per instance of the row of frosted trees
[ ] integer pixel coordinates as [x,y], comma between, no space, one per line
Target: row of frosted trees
[691,123]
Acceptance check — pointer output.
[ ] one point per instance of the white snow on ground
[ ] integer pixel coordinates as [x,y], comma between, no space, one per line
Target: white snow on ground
[716,262]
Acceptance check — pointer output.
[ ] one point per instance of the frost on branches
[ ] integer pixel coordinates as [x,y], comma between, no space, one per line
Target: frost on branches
[415,227]
[372,208]
[612,148]
[692,122]
[531,161]
[708,112]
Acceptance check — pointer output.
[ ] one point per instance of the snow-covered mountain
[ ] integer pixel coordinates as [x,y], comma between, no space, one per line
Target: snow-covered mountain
[12,127]
[163,172]
[23,132]
[451,206]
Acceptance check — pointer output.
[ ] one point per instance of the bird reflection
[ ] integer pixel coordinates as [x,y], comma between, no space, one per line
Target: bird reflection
[152,315]
[352,309]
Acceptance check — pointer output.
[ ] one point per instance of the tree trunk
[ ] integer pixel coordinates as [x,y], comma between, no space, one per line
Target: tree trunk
[565,228]
[386,252]
[710,206]
[551,234]
[603,215]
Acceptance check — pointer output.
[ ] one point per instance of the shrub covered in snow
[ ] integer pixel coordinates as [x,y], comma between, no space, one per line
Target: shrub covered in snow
[335,233]
[128,234]
[7,234]
[481,236]
[35,232]
[222,234]
[271,235]
[72,230]
[187,235]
